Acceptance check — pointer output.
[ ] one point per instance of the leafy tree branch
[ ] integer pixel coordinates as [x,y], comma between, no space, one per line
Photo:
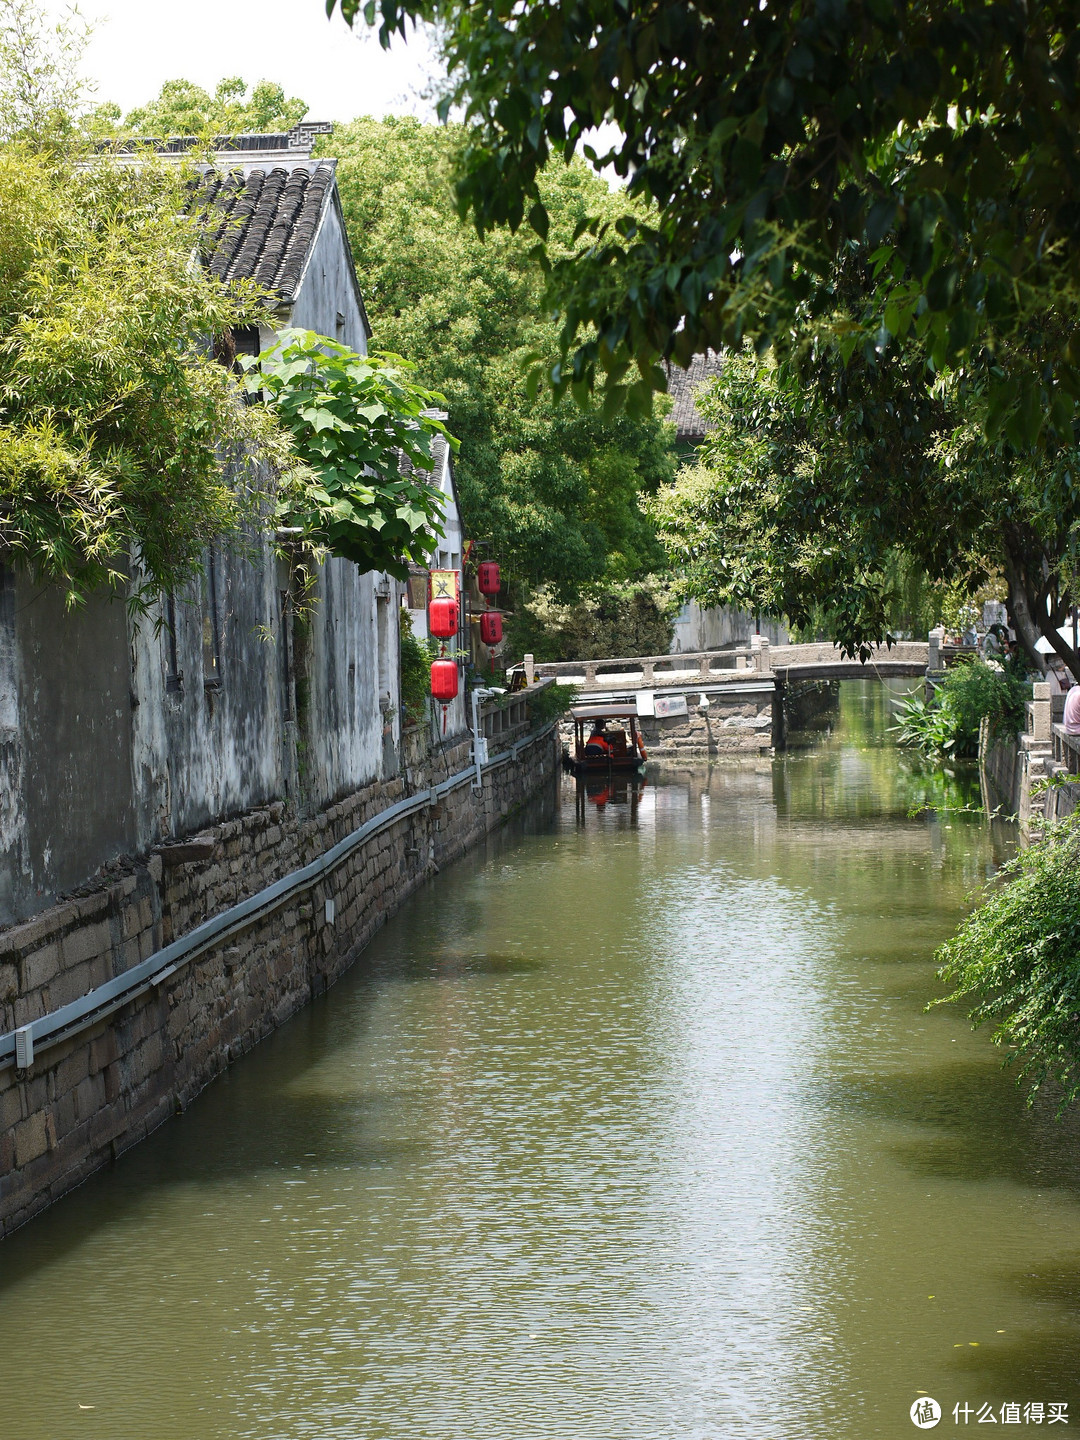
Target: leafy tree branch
[352,419]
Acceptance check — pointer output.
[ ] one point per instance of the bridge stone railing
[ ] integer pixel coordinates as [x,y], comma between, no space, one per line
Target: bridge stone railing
[648,672]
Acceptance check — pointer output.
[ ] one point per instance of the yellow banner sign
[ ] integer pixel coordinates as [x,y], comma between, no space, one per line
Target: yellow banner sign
[444,584]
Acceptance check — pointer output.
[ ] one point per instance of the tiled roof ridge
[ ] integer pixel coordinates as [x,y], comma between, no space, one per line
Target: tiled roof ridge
[262,223]
[690,424]
[300,139]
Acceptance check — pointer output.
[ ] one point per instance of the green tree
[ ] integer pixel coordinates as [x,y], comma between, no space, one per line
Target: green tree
[42,93]
[182,108]
[352,418]
[555,489]
[809,487]
[118,431]
[939,135]
[635,618]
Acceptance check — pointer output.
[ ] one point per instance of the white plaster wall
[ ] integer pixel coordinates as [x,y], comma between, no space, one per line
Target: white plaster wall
[351,703]
[719,625]
[202,753]
[328,290]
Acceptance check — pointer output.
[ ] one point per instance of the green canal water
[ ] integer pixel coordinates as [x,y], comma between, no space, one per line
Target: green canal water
[632,1127]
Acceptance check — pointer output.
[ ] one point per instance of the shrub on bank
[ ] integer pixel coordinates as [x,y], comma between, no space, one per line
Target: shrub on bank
[971,691]
[551,703]
[1017,957]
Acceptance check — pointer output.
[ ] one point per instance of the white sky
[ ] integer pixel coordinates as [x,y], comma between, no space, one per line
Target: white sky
[138,44]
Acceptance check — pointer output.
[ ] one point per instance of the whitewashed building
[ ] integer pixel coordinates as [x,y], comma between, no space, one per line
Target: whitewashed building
[119,733]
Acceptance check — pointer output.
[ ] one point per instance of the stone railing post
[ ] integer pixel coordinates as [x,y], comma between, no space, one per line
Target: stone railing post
[590,672]
[530,669]
[933,652]
[648,668]
[704,661]
[763,655]
[1039,711]
[740,661]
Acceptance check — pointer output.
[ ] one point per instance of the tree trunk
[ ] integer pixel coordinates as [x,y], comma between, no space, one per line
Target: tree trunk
[1028,610]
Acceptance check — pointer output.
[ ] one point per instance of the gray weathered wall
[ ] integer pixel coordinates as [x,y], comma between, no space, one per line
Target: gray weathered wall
[65,723]
[210,746]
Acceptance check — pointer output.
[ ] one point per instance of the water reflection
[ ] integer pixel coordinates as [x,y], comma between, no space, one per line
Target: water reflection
[594,793]
[632,1124]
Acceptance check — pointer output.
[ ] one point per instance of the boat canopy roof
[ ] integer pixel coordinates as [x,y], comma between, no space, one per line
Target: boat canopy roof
[622,710]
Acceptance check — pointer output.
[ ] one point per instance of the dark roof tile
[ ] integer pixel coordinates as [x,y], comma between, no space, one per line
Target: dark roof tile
[690,424]
[262,225]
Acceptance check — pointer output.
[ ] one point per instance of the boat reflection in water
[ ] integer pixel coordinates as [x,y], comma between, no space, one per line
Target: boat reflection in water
[596,792]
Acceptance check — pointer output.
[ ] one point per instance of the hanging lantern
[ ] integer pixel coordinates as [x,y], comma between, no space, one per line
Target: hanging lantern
[443,618]
[444,681]
[491,627]
[487,577]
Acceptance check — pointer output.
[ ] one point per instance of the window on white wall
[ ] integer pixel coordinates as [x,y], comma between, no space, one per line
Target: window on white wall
[211,619]
[382,637]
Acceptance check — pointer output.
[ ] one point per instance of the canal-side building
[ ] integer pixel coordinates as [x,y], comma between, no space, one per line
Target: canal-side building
[122,732]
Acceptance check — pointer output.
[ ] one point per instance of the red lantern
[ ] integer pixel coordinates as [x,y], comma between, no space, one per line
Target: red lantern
[444,680]
[491,627]
[443,618]
[487,577]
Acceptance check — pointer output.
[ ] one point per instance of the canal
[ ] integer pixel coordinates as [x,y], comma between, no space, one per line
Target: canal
[633,1126]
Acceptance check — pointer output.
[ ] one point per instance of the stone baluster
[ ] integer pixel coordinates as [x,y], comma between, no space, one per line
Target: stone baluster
[648,668]
[704,661]
[590,673]
[1039,712]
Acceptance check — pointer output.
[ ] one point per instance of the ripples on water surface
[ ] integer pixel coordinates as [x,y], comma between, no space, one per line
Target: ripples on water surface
[632,1127]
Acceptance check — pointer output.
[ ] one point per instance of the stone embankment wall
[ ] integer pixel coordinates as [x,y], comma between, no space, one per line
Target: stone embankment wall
[86,1099]
[735,726]
[1031,775]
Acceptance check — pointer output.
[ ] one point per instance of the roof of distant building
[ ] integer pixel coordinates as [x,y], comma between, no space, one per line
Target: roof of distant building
[690,425]
[265,199]
[294,144]
[264,222]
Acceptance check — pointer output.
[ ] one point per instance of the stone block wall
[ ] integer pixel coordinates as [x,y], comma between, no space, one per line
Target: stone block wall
[1002,766]
[88,1098]
[735,726]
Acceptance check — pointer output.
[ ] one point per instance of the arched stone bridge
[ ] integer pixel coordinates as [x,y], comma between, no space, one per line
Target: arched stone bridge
[729,701]
[709,670]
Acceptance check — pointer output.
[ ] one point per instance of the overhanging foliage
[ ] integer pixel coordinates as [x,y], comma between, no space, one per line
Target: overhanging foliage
[938,137]
[116,425]
[352,418]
